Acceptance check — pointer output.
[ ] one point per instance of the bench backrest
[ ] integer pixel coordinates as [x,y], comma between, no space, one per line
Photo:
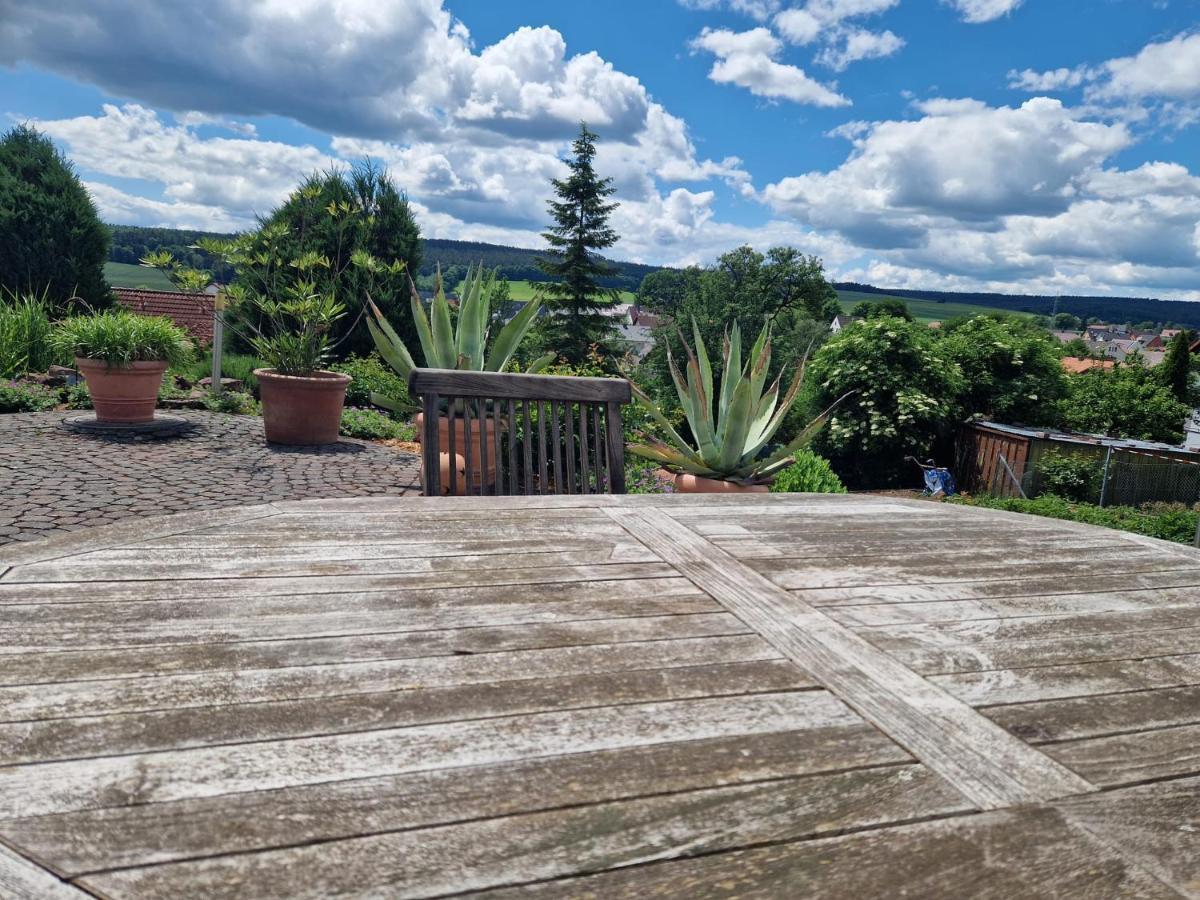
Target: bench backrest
[498,433]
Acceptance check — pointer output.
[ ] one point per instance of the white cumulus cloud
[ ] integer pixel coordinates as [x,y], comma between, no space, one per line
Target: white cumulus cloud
[979,11]
[748,59]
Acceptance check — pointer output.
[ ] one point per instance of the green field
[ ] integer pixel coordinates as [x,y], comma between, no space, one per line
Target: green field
[923,310]
[127,275]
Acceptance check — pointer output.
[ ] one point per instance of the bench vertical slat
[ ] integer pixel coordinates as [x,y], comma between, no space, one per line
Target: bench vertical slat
[481,418]
[468,469]
[497,487]
[451,403]
[615,438]
[598,449]
[556,442]
[585,477]
[572,486]
[527,446]
[543,478]
[430,451]
[512,449]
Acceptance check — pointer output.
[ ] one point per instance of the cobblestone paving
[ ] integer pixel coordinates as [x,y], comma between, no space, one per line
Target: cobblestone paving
[53,481]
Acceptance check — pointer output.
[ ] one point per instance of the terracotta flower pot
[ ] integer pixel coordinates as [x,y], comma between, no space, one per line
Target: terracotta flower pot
[488,426]
[123,395]
[695,484]
[302,410]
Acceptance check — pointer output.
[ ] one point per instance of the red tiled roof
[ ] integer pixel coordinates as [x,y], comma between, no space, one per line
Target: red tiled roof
[193,312]
[1075,365]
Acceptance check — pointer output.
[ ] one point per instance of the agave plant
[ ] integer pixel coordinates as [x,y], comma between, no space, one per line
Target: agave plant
[447,345]
[731,430]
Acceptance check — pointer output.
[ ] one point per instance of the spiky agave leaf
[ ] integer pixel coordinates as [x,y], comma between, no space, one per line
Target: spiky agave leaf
[511,335]
[468,338]
[656,414]
[736,426]
[424,332]
[733,363]
[671,456]
[768,465]
[444,351]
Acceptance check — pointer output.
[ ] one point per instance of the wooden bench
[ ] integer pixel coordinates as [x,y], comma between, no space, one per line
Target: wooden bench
[494,433]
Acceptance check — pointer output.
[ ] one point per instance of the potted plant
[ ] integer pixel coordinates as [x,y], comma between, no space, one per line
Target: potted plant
[463,345]
[122,357]
[285,307]
[732,430]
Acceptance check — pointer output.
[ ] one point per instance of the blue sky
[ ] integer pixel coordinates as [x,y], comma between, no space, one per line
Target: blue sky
[1012,145]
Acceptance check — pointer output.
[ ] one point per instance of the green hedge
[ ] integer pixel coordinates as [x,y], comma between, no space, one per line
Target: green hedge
[1169,521]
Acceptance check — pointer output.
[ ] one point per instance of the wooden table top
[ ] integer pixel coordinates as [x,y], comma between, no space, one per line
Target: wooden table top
[767,696]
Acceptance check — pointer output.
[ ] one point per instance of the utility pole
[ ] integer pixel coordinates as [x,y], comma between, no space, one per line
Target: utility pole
[218,340]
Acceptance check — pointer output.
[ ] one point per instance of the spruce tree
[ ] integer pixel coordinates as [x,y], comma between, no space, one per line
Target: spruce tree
[53,240]
[576,320]
[1175,370]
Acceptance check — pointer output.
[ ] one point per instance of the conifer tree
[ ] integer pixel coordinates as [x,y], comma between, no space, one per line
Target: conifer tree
[576,320]
[1175,370]
[53,240]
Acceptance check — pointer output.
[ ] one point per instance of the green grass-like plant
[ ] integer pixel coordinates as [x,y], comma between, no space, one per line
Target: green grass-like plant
[120,337]
[731,430]
[24,334]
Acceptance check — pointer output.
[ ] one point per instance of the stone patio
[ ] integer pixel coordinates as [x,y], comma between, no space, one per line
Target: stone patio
[52,481]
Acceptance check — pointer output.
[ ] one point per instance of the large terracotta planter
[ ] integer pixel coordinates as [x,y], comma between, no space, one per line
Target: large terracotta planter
[122,395]
[480,475]
[695,484]
[302,410]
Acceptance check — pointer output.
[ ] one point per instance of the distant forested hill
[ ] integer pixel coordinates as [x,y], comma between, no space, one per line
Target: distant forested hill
[1108,309]
[514,263]
[131,242]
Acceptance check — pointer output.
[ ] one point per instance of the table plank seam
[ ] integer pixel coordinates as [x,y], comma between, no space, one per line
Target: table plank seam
[995,770]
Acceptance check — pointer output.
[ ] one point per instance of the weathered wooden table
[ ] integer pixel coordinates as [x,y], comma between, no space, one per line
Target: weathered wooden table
[812,696]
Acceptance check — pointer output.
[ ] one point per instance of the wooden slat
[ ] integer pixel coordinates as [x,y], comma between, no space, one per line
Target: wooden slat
[265,720]
[206,772]
[1099,714]
[102,697]
[516,386]
[89,840]
[492,852]
[20,879]
[99,591]
[1155,826]
[1074,680]
[594,552]
[979,758]
[1133,758]
[1010,854]
[1026,654]
[269,643]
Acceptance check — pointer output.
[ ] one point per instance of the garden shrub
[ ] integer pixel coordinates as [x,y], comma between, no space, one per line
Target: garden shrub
[370,374]
[239,366]
[1073,476]
[78,396]
[810,474]
[642,477]
[17,398]
[369,424]
[235,402]
[1168,521]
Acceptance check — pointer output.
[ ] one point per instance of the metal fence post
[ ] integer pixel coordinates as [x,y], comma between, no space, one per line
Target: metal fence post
[1104,480]
[218,340]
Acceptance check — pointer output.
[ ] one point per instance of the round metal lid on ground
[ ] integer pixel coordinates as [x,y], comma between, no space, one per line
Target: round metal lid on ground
[159,428]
